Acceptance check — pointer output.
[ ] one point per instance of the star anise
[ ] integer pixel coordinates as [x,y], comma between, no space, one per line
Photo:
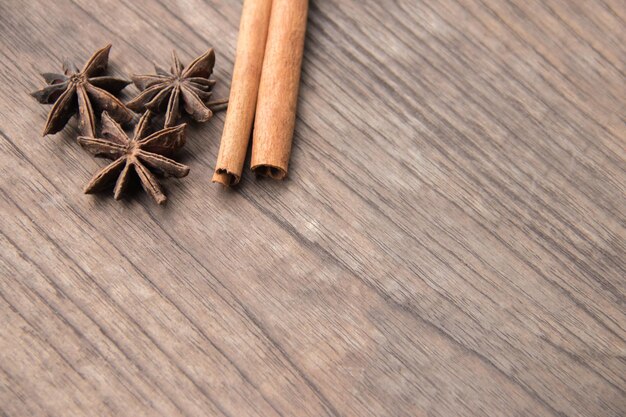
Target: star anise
[136,155]
[87,90]
[187,87]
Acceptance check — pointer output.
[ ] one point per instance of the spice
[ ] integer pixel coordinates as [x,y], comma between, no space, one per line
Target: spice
[139,154]
[255,16]
[278,91]
[87,90]
[183,88]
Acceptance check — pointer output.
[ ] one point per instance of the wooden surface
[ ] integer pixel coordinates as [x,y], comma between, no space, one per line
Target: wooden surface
[450,241]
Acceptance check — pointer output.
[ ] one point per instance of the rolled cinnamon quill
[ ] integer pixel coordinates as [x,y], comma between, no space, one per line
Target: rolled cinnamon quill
[253,28]
[278,91]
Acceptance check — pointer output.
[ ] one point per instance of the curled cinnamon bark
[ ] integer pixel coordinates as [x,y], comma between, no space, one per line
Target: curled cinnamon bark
[253,28]
[278,90]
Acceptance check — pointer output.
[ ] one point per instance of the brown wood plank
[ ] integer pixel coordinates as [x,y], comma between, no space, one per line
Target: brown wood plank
[450,240]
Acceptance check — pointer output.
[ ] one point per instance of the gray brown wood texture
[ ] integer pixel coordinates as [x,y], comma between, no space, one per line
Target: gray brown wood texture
[450,240]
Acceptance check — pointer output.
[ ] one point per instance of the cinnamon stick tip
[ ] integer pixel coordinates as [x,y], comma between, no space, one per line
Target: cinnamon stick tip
[272,171]
[225,177]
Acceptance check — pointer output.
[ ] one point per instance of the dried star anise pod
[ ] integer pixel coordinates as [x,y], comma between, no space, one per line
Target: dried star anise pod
[87,91]
[136,155]
[187,87]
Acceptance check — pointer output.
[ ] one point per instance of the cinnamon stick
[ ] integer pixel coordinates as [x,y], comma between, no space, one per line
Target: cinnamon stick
[253,28]
[278,90]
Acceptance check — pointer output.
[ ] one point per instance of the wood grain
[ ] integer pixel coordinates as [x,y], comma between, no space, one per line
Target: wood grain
[450,241]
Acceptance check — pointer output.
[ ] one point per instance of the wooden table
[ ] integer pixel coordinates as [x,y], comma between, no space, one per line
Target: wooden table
[450,240]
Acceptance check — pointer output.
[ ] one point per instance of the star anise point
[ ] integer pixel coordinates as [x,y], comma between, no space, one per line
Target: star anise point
[137,155]
[184,89]
[84,92]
